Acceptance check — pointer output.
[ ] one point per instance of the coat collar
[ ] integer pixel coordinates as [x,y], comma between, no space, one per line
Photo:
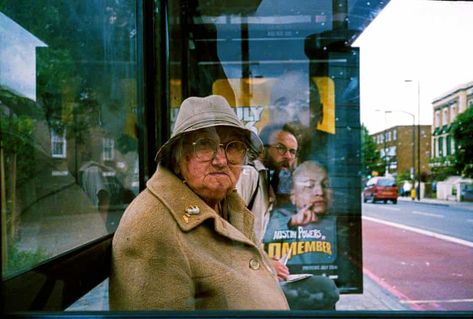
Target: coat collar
[259,165]
[178,198]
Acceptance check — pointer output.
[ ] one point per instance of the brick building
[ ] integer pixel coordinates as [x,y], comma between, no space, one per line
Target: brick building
[396,147]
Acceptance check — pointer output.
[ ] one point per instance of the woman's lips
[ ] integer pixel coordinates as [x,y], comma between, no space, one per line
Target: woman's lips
[317,203]
[218,174]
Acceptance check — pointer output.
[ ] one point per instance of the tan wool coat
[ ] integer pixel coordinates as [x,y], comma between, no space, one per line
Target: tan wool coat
[165,258]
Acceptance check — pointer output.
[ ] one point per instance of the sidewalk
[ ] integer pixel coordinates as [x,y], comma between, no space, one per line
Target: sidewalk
[373,298]
[463,205]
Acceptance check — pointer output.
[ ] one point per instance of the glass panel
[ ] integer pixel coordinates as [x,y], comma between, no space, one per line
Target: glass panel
[280,62]
[68,124]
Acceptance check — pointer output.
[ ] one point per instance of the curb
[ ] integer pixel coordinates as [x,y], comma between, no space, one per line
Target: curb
[463,205]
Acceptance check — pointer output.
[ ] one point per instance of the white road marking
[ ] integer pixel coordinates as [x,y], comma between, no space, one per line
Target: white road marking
[435,301]
[390,208]
[421,231]
[427,214]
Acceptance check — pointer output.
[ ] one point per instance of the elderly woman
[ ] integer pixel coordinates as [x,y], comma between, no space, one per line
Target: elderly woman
[187,241]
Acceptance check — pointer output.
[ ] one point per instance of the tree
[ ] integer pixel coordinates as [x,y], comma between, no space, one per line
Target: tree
[462,132]
[15,143]
[370,156]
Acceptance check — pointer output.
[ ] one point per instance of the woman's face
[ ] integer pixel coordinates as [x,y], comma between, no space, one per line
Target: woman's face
[211,175]
[311,189]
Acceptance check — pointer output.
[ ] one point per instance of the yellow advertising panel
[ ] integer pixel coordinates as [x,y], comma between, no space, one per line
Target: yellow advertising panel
[326,88]
[252,100]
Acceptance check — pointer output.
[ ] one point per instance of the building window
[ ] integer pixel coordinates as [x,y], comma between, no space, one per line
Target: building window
[58,144]
[388,136]
[440,146]
[108,149]
[453,112]
[432,148]
[445,116]
[437,118]
[394,135]
[448,142]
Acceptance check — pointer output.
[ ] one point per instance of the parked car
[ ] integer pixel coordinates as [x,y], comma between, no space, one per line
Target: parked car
[381,188]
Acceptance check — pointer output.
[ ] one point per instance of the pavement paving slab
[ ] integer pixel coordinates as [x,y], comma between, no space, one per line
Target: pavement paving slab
[373,298]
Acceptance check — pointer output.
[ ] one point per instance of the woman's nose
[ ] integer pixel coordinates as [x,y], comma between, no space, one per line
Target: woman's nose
[220,158]
[317,190]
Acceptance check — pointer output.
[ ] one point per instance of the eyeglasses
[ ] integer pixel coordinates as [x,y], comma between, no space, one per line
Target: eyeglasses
[205,150]
[282,149]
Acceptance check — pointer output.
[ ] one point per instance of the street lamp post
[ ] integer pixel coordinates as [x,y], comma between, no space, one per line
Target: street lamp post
[418,136]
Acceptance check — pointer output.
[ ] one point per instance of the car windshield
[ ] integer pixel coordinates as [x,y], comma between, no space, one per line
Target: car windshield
[386,182]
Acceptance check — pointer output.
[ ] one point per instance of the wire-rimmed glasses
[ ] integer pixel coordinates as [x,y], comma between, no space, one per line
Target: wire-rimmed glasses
[282,149]
[205,150]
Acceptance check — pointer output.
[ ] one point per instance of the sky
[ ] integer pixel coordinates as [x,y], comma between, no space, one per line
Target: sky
[427,42]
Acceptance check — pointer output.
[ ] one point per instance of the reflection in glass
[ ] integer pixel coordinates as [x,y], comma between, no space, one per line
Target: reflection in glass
[68,124]
[283,63]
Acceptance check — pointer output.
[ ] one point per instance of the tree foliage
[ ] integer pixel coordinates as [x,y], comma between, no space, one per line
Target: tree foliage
[462,132]
[371,159]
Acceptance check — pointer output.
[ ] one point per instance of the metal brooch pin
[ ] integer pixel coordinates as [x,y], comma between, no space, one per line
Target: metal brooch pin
[193,210]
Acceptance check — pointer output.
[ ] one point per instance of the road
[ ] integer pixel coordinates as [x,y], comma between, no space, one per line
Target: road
[441,219]
[422,254]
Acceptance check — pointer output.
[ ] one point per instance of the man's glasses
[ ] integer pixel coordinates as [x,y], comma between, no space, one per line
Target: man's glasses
[282,149]
[205,150]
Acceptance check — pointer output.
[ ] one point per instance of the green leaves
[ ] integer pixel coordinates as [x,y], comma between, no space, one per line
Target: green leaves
[371,158]
[462,132]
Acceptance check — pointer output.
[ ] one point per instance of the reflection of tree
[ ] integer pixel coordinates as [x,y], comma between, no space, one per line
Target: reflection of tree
[87,43]
[89,48]
[126,143]
[86,115]
[15,143]
[81,36]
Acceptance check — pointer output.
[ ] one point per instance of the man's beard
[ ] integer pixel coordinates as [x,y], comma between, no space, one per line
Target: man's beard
[278,165]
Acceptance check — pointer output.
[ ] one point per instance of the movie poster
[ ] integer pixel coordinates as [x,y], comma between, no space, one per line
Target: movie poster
[314,225]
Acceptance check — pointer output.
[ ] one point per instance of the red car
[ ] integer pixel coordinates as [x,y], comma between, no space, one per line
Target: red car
[381,188]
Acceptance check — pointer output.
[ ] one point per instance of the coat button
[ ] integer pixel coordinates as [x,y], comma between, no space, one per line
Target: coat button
[254,264]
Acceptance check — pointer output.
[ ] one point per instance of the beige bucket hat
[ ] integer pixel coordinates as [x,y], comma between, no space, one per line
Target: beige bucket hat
[196,113]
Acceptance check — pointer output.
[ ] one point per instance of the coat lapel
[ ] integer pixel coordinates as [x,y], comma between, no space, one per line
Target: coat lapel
[183,204]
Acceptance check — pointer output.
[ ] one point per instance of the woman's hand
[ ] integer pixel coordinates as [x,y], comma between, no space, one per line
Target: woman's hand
[304,216]
[281,269]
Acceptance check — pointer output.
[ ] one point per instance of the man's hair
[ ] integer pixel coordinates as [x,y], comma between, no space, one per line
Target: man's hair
[268,130]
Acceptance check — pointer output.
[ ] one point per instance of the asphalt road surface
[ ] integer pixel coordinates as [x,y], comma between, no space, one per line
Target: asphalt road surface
[425,269]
